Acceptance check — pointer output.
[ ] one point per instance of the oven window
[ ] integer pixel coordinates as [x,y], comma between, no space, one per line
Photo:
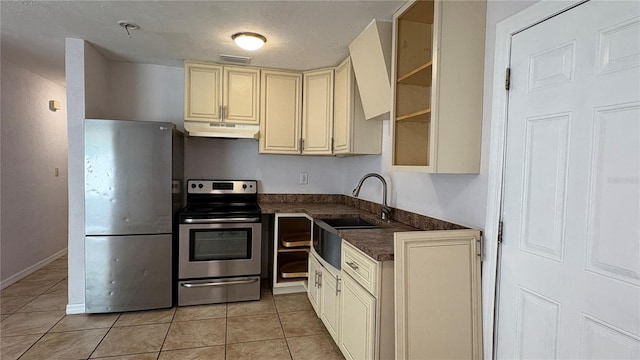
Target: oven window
[209,244]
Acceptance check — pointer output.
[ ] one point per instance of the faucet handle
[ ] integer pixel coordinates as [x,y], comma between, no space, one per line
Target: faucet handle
[386,213]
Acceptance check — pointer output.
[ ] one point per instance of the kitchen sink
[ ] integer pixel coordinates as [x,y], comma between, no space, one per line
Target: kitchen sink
[349,223]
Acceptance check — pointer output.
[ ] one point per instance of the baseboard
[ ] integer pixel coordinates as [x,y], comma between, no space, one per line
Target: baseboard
[31,269]
[75,309]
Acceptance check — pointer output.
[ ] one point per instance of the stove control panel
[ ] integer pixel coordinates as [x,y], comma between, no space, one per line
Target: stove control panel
[222,186]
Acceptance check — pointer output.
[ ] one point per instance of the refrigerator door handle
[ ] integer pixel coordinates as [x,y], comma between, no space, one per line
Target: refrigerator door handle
[232,281]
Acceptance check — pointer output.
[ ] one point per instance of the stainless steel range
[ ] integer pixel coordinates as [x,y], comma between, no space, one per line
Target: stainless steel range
[219,243]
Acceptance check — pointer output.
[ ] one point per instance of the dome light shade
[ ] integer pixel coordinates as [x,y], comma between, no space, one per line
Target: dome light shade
[248,40]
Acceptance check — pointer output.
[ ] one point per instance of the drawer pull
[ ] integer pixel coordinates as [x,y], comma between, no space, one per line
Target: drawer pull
[353,265]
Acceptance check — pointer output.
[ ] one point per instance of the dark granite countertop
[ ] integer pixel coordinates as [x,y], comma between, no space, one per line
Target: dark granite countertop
[376,243]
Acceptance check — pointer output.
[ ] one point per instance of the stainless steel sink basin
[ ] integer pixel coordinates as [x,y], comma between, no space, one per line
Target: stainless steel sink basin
[349,223]
[327,242]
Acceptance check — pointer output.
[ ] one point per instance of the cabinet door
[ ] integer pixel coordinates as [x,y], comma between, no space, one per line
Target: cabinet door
[317,112]
[240,95]
[357,328]
[313,285]
[330,309]
[280,112]
[202,92]
[342,112]
[437,295]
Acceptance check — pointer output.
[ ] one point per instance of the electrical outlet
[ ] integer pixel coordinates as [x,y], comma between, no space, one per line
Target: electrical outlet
[56,172]
[304,178]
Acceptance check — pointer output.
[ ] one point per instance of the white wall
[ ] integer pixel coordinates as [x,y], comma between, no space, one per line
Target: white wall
[34,200]
[207,158]
[145,92]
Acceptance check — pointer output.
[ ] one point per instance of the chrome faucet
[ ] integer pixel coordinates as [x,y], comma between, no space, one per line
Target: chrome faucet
[386,210]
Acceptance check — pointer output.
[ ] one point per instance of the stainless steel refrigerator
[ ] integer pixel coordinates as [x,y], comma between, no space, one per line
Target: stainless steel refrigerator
[133,190]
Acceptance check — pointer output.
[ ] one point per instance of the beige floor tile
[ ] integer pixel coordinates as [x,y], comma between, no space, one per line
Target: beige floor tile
[300,323]
[12,347]
[26,288]
[292,302]
[259,350]
[201,312]
[146,317]
[204,353]
[11,304]
[189,334]
[47,275]
[259,307]
[314,347]
[3,316]
[145,356]
[132,340]
[29,323]
[61,287]
[67,345]
[46,302]
[253,328]
[85,322]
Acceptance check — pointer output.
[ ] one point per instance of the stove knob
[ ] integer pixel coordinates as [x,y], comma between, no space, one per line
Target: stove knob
[244,186]
[193,186]
[200,186]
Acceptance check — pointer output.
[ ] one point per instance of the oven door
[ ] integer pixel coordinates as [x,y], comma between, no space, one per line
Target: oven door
[219,250]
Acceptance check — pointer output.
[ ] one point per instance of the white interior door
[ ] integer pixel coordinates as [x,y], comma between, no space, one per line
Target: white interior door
[570,271]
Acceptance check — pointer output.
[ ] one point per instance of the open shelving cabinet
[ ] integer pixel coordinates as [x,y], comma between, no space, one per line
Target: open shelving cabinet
[292,237]
[438,59]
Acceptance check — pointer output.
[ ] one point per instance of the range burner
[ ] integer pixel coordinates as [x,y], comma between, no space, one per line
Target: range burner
[218,201]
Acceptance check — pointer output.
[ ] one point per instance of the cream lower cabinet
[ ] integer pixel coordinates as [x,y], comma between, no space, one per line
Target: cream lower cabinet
[325,293]
[280,112]
[437,286]
[366,306]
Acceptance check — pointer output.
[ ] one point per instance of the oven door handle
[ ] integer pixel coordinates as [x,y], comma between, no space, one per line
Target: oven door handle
[233,281]
[223,220]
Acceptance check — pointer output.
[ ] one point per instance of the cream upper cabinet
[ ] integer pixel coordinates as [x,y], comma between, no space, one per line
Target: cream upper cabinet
[438,300]
[317,112]
[437,70]
[241,95]
[371,56]
[214,93]
[202,92]
[352,133]
[280,112]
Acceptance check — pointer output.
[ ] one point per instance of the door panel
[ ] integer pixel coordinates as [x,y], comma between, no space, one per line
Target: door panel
[570,267]
[128,185]
[127,273]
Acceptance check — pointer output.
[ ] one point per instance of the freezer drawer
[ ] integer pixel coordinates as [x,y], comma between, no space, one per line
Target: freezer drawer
[219,290]
[127,273]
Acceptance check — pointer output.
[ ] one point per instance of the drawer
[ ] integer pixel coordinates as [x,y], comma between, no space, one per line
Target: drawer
[361,267]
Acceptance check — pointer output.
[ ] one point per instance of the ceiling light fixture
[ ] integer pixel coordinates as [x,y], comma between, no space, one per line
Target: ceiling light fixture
[248,40]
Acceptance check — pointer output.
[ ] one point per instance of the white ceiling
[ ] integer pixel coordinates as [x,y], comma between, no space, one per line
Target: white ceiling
[301,35]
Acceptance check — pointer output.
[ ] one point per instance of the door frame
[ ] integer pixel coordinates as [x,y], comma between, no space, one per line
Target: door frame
[505,30]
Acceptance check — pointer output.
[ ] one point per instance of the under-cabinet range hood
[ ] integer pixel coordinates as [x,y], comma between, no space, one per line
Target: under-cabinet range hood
[222,130]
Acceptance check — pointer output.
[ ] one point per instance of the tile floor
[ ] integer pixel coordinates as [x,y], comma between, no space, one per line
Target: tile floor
[33,325]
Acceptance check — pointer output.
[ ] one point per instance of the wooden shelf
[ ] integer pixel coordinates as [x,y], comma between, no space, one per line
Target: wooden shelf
[296,239]
[291,250]
[294,269]
[418,76]
[422,116]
